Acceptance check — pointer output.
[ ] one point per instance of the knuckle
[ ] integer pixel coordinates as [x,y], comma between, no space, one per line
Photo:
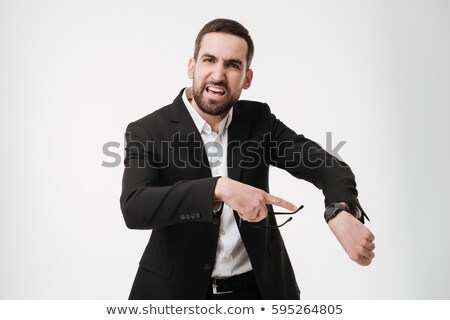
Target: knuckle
[365,263]
[365,241]
[354,256]
[259,197]
[369,236]
[359,248]
[254,205]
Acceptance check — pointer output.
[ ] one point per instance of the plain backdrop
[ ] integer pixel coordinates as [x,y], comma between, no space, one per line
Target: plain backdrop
[73,74]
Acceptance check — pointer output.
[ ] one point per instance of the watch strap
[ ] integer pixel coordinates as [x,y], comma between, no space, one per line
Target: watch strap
[334,209]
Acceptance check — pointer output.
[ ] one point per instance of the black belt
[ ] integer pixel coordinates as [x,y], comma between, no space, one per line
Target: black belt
[232,284]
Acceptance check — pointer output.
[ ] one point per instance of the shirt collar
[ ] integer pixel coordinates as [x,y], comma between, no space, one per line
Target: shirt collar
[200,123]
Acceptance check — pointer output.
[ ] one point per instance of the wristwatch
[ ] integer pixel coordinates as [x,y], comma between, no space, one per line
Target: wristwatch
[333,210]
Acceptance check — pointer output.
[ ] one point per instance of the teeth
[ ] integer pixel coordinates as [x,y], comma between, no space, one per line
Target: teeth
[214,89]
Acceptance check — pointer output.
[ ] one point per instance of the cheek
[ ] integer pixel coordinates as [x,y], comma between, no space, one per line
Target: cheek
[236,82]
[199,75]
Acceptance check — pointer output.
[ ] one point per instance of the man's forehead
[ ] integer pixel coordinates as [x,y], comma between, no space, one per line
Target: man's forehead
[224,46]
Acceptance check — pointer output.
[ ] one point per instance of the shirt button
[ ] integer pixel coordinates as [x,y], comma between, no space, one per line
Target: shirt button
[207,266]
[222,232]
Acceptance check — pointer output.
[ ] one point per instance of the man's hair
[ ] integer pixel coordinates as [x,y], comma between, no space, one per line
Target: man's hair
[226,26]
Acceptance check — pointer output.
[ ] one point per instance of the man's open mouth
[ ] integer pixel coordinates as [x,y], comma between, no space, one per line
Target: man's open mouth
[215,91]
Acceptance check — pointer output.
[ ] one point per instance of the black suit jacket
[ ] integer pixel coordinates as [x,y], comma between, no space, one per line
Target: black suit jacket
[168,187]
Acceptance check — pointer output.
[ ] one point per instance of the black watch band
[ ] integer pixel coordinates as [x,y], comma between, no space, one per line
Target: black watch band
[333,210]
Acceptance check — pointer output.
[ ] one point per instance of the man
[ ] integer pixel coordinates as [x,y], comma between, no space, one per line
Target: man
[196,173]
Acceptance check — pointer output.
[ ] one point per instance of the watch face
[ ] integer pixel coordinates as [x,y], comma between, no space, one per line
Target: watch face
[330,210]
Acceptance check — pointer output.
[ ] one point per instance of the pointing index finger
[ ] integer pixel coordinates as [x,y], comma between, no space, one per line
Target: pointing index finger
[277,201]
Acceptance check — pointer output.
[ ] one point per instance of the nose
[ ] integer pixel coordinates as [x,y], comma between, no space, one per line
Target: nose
[218,73]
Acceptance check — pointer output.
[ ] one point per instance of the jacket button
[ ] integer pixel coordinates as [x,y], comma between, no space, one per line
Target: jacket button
[197,215]
[216,221]
[207,266]
[192,215]
[188,217]
[182,217]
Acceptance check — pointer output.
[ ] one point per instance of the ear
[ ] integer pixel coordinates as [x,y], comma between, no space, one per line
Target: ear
[191,67]
[248,79]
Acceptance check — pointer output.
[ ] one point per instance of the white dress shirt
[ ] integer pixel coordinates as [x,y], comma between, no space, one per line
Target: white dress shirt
[231,255]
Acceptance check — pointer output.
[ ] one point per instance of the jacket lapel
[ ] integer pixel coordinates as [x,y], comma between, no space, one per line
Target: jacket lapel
[185,135]
[238,132]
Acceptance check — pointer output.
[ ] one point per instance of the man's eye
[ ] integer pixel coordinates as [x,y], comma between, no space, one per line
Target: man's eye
[234,65]
[208,60]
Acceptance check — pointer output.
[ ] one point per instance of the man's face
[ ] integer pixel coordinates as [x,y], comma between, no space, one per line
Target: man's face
[220,72]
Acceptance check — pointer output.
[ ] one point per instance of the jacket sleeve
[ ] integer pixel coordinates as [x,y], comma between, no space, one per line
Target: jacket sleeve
[145,202]
[305,159]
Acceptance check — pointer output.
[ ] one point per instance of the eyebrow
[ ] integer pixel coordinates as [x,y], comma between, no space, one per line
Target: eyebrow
[237,61]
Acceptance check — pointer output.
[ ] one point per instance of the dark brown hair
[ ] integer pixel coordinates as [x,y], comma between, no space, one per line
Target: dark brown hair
[229,27]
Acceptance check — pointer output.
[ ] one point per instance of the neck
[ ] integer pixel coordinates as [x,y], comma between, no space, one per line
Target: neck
[213,121]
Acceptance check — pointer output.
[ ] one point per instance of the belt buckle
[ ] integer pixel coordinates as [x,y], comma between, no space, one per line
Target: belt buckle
[214,288]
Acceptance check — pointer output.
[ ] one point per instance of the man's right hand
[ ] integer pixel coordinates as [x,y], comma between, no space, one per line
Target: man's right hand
[249,202]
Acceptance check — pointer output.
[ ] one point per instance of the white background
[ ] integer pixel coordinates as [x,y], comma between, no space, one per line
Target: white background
[73,74]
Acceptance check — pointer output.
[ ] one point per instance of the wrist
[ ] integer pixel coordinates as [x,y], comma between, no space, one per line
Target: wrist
[336,220]
[354,210]
[220,190]
[335,209]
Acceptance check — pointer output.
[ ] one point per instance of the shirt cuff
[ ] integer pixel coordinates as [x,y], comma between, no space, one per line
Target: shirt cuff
[217,207]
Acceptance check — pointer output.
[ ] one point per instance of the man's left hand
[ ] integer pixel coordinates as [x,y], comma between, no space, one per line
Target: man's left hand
[355,238]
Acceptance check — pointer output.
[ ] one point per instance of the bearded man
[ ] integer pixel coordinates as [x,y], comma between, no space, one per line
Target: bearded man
[197,174]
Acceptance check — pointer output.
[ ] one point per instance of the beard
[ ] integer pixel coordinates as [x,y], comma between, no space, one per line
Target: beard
[210,106]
